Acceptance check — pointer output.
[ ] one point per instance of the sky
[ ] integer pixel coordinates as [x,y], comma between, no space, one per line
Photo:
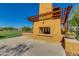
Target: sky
[16,14]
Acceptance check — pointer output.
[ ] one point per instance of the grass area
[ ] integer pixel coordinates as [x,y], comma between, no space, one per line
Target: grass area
[9,34]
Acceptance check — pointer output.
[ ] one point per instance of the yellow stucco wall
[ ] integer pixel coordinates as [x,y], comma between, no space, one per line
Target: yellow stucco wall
[45,7]
[55,28]
[72,46]
[54,24]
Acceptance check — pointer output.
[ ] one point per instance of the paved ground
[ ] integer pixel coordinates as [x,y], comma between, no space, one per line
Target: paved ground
[21,46]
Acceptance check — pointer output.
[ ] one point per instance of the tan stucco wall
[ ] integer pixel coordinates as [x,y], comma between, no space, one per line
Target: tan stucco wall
[72,46]
[55,28]
[45,7]
[54,24]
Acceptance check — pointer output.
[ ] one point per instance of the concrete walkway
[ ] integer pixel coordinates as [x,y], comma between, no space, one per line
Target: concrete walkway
[21,46]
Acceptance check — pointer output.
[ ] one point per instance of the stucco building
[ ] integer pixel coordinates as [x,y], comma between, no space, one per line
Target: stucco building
[48,22]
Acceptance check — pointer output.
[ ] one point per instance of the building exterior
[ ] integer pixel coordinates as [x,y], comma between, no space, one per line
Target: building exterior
[50,21]
[48,24]
[45,24]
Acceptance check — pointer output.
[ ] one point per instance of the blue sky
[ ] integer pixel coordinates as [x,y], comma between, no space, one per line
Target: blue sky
[15,14]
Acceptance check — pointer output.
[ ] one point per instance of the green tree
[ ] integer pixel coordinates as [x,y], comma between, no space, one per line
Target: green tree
[9,28]
[27,29]
[75,22]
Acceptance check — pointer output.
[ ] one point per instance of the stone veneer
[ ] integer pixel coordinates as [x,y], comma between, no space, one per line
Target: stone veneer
[71,46]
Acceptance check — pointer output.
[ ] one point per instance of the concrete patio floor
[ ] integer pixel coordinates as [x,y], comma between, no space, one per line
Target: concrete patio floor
[24,46]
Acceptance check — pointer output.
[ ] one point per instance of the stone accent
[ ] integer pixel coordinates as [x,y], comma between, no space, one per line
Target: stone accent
[71,47]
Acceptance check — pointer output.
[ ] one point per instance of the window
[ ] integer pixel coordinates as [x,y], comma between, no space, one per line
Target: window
[45,30]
